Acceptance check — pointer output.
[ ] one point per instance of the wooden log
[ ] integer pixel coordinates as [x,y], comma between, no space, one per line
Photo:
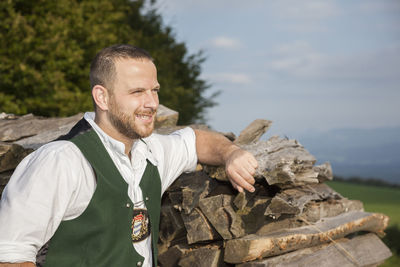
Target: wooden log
[254,247]
[210,256]
[31,132]
[281,162]
[8,116]
[253,132]
[165,117]
[365,250]
[172,228]
[324,172]
[192,193]
[251,214]
[277,225]
[293,200]
[171,257]
[189,188]
[313,211]
[11,155]
[198,227]
[176,199]
[220,213]
[4,178]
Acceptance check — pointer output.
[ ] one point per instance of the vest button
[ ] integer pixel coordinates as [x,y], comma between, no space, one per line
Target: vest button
[128,205]
[147,198]
[139,263]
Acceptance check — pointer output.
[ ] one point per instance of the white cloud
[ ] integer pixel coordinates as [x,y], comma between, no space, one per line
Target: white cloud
[297,58]
[304,16]
[228,77]
[307,10]
[301,60]
[225,42]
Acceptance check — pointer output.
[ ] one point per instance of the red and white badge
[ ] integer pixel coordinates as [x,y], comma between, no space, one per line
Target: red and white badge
[140,225]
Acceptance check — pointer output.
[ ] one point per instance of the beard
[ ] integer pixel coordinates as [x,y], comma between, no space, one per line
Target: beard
[127,125]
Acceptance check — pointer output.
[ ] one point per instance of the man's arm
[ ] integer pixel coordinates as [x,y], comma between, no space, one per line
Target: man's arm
[215,149]
[23,264]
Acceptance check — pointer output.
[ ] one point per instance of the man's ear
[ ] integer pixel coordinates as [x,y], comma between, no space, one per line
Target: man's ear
[100,97]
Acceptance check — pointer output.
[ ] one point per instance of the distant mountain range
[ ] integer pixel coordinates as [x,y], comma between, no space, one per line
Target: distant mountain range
[367,153]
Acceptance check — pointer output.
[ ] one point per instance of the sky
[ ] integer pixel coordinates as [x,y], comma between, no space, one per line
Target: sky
[306,65]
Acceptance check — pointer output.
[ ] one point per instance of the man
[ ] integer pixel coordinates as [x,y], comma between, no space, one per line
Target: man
[95,195]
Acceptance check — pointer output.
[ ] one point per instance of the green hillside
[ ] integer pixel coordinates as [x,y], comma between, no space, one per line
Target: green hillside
[384,200]
[376,199]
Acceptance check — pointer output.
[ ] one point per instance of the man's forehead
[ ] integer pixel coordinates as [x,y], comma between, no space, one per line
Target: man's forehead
[127,60]
[132,64]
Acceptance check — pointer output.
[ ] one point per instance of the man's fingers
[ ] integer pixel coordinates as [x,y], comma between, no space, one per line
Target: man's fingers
[241,173]
[251,169]
[240,169]
[253,162]
[236,186]
[243,181]
[247,175]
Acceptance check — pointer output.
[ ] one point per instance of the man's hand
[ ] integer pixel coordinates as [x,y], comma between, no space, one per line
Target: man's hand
[240,167]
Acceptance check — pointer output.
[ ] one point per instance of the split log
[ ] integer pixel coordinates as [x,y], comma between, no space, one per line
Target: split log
[176,200]
[283,161]
[8,116]
[292,201]
[220,213]
[280,161]
[32,132]
[165,117]
[202,257]
[11,155]
[171,257]
[253,132]
[277,225]
[324,172]
[365,250]
[250,207]
[172,228]
[313,212]
[189,188]
[254,247]
[4,178]
[198,189]
[198,228]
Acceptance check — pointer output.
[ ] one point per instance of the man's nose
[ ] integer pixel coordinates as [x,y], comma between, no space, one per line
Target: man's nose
[151,100]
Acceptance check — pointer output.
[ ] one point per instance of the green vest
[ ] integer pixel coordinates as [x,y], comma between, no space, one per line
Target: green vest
[101,235]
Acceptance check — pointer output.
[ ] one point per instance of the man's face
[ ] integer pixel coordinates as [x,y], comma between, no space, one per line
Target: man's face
[134,99]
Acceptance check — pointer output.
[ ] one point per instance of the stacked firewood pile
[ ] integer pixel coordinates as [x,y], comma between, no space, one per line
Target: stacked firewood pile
[292,219]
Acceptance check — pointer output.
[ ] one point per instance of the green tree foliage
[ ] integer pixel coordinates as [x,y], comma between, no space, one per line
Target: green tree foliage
[46,48]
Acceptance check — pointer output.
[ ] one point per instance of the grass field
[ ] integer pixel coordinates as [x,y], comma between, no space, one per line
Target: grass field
[376,199]
[384,200]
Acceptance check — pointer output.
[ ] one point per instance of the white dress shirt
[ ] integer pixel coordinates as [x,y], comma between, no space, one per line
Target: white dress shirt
[56,182]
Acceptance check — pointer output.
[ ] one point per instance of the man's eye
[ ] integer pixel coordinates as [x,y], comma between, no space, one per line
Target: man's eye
[156,90]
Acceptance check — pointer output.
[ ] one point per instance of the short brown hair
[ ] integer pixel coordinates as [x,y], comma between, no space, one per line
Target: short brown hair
[102,69]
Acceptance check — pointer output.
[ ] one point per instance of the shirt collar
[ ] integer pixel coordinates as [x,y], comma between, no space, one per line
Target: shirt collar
[117,146]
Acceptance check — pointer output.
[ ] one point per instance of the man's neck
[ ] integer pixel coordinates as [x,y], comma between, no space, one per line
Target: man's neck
[112,132]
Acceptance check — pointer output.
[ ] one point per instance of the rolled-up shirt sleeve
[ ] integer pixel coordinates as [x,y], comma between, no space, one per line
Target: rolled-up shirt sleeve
[176,153]
[40,194]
